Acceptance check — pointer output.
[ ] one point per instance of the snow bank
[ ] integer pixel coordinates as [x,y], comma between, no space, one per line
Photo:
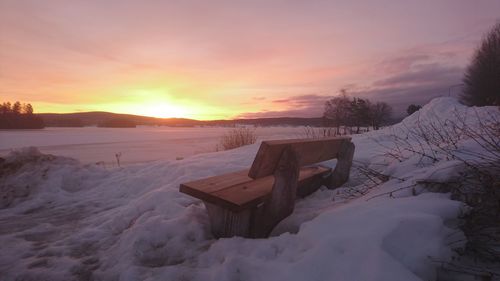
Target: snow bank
[90,223]
[23,171]
[444,115]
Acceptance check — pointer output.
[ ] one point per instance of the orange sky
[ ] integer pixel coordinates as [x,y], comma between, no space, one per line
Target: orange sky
[228,59]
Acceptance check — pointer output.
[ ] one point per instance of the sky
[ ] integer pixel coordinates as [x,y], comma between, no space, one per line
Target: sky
[234,59]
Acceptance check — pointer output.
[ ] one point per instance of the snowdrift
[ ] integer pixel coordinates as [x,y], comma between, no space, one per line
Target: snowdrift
[85,222]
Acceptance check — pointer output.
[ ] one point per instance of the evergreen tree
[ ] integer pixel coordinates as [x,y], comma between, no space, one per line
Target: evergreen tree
[16,108]
[28,109]
[5,108]
[482,77]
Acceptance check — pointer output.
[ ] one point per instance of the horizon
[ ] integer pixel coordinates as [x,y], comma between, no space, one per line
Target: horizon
[201,120]
[226,60]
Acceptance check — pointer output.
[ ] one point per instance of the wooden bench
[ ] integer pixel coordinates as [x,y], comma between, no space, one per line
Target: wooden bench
[250,203]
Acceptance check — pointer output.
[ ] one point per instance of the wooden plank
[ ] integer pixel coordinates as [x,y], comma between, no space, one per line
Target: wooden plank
[212,189]
[203,187]
[309,151]
[242,196]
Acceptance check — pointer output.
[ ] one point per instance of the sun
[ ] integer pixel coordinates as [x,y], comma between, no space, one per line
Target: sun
[159,109]
[164,110]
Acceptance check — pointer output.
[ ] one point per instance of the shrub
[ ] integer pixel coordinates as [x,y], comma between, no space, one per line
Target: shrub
[477,182]
[482,77]
[412,108]
[237,137]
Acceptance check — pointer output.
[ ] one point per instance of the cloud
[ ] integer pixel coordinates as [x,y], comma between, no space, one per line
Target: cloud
[282,101]
[301,100]
[421,75]
[415,78]
[258,98]
[310,105]
[400,63]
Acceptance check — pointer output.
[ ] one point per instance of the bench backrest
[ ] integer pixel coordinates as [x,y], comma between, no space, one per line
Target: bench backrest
[309,151]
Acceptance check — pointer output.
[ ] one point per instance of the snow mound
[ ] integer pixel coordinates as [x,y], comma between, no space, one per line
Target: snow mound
[23,171]
[441,118]
[439,108]
[446,111]
[86,222]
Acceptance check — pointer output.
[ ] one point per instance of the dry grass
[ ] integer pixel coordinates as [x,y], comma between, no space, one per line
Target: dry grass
[237,137]
[319,132]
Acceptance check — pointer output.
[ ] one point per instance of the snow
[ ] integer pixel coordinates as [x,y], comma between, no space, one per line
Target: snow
[88,222]
[136,145]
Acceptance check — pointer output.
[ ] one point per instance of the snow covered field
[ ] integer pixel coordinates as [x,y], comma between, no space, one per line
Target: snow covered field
[136,145]
[64,220]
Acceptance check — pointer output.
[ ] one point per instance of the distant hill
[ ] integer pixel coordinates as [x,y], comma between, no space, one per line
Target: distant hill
[99,118]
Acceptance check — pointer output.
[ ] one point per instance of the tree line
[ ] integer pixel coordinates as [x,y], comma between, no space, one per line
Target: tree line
[19,116]
[351,114]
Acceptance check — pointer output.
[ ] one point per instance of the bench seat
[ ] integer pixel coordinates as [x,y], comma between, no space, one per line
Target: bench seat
[237,191]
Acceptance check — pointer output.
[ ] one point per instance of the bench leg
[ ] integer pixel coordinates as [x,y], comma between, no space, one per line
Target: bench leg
[258,222]
[281,202]
[226,223]
[341,173]
[310,185]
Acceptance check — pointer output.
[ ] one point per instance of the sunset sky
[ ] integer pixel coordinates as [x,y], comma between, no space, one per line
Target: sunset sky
[230,59]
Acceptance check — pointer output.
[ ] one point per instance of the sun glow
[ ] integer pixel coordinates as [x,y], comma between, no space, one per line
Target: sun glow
[154,102]
[159,101]
[160,109]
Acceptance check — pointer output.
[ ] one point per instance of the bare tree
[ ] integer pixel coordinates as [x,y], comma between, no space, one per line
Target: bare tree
[355,112]
[482,77]
[360,113]
[381,112]
[337,111]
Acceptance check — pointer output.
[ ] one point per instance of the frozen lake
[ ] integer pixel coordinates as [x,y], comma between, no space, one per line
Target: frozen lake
[136,145]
